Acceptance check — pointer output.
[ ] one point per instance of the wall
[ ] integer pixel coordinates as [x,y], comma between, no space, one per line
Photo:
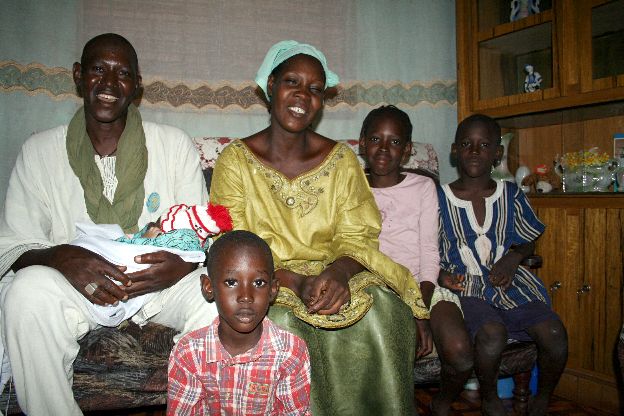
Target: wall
[198,59]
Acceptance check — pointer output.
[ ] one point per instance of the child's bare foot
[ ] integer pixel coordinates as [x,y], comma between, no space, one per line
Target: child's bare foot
[538,405]
[493,407]
[439,408]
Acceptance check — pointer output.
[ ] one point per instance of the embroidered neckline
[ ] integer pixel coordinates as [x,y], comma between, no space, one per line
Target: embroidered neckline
[300,192]
[467,205]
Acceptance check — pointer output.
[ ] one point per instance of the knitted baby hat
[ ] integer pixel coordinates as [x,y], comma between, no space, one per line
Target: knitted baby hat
[206,221]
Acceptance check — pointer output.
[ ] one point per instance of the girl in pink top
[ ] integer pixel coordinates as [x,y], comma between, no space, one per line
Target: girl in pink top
[408,205]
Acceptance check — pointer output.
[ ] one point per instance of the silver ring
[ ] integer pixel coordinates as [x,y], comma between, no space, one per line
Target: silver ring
[90,288]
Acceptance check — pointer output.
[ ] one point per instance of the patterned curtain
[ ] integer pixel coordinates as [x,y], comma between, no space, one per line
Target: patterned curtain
[198,59]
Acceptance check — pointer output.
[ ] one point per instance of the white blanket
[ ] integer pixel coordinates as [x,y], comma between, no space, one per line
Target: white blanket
[99,238]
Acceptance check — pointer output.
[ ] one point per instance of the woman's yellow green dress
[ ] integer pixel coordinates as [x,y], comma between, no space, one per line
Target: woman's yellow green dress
[362,357]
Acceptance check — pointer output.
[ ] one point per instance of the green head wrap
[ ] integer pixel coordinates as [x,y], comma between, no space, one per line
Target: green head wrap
[284,50]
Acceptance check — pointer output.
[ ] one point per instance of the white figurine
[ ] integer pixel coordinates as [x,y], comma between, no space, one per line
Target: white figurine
[523,8]
[522,173]
[533,80]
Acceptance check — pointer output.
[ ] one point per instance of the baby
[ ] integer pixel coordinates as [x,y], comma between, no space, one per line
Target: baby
[182,230]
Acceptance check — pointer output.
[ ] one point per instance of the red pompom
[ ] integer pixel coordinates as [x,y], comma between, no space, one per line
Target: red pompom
[221,217]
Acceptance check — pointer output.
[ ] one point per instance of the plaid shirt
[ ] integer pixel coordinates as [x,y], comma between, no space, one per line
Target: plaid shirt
[272,378]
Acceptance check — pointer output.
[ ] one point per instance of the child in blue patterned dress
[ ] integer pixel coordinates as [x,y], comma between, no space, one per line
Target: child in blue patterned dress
[487,228]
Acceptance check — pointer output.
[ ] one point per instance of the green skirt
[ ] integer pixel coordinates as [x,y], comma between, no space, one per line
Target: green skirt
[363,369]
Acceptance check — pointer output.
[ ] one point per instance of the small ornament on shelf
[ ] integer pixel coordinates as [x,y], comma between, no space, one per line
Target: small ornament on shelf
[533,79]
[521,173]
[500,172]
[543,180]
[523,8]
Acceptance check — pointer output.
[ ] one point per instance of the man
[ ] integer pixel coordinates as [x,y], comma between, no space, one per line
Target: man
[107,166]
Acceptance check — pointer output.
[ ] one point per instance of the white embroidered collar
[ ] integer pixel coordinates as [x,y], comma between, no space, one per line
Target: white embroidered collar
[467,205]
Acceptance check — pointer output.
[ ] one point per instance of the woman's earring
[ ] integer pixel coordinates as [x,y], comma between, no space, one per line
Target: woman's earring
[497,162]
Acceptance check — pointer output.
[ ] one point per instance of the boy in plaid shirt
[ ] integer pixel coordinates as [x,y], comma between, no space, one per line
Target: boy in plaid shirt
[242,364]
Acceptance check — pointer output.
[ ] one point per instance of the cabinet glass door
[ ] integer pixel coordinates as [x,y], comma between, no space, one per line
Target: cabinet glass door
[518,62]
[492,13]
[608,40]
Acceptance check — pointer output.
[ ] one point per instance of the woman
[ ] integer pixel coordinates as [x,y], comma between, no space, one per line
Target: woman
[307,196]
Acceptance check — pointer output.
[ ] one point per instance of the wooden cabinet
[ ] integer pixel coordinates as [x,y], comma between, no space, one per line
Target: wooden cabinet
[578,48]
[583,251]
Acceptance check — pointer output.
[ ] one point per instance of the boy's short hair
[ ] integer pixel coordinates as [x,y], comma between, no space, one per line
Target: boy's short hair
[490,124]
[237,239]
[391,110]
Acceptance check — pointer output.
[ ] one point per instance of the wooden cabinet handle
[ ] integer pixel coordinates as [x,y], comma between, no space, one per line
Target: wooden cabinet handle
[555,286]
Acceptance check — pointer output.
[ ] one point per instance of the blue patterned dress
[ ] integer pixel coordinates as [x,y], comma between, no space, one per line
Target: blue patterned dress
[471,250]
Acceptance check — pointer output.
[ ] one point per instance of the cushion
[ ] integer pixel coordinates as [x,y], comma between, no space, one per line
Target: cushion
[117,368]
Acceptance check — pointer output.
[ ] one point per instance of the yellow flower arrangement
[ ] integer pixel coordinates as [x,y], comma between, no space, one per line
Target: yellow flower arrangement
[591,157]
[587,171]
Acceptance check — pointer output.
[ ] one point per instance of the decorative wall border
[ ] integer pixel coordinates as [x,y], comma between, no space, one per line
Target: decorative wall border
[57,82]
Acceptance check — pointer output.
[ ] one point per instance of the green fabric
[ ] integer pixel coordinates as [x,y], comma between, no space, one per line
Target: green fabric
[364,369]
[285,50]
[183,239]
[130,169]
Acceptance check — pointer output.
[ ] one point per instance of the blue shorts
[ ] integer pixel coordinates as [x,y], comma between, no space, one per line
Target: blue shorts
[478,312]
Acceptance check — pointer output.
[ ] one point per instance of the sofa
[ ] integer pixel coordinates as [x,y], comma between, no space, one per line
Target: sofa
[423,160]
[126,367]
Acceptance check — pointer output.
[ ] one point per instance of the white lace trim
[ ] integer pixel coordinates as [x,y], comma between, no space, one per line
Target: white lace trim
[106,165]
[489,202]
[483,245]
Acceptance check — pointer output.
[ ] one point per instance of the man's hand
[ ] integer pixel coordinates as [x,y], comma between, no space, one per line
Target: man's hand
[166,270]
[82,267]
[425,339]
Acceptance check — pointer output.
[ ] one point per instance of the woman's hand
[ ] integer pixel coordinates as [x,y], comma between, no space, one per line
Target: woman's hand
[317,292]
[454,282]
[291,280]
[82,267]
[425,339]
[329,291]
[326,293]
[166,270]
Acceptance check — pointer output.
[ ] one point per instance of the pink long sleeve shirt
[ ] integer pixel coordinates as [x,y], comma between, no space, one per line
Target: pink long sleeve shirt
[409,230]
